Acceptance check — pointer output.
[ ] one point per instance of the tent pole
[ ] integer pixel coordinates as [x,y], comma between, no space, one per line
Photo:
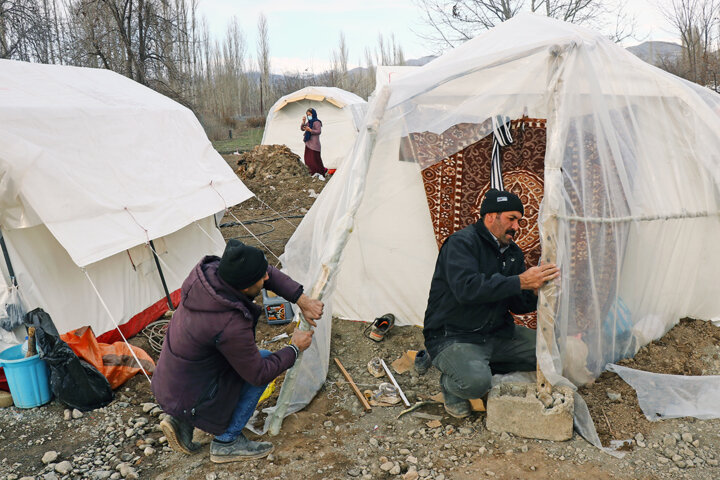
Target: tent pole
[548,223]
[162,277]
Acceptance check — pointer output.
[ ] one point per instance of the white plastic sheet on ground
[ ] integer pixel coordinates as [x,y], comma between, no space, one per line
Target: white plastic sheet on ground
[631,205]
[673,396]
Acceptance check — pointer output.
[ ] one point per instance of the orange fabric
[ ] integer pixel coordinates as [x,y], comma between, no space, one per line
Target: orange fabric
[114,361]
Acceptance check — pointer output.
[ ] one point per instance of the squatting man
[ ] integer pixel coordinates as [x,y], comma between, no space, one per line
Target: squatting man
[480,277]
[210,373]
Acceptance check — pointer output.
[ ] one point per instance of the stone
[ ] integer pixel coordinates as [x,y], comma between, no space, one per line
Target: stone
[639,437]
[395,470]
[50,457]
[687,437]
[514,408]
[613,396]
[387,466]
[63,468]
[404,451]
[67,415]
[76,413]
[353,472]
[669,440]
[411,459]
[411,475]
[102,475]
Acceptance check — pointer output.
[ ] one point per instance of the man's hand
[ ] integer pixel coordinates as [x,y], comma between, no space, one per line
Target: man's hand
[535,277]
[311,309]
[302,339]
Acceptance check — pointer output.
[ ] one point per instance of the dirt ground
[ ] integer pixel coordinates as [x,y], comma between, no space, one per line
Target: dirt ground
[333,438]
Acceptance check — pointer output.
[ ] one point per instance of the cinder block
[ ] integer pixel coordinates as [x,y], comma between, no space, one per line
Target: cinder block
[515,408]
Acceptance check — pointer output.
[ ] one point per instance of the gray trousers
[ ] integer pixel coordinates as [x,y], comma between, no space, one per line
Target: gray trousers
[468,367]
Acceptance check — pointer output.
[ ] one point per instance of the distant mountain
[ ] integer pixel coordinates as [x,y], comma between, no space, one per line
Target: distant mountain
[419,62]
[655,53]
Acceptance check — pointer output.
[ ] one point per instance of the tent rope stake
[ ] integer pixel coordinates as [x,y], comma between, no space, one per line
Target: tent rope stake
[107,310]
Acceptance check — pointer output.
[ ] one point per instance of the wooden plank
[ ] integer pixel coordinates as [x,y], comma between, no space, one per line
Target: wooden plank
[357,391]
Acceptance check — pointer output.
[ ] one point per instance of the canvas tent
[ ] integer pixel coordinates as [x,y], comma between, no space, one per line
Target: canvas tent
[620,163]
[341,113]
[94,166]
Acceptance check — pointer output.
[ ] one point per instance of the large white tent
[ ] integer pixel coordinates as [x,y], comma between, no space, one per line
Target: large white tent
[627,192]
[340,111]
[93,167]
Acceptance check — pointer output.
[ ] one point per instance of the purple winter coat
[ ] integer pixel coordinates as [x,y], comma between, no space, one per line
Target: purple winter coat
[210,351]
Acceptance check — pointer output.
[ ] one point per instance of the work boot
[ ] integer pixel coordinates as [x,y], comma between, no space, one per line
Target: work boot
[239,449]
[422,362]
[455,406]
[179,434]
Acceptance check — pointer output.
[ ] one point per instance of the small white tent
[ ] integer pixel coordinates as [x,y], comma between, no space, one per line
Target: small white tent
[619,160]
[341,113]
[93,167]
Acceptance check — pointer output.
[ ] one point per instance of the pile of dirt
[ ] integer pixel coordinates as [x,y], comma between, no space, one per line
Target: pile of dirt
[689,348]
[265,160]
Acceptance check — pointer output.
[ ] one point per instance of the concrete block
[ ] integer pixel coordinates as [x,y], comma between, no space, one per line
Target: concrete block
[515,408]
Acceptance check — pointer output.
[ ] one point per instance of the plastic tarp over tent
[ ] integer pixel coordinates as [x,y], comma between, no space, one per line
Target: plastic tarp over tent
[630,197]
[340,111]
[93,166]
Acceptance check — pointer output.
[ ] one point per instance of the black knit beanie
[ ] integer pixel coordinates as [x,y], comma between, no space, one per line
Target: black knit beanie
[501,201]
[242,265]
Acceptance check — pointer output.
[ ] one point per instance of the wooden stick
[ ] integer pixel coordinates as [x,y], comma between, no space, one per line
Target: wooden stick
[607,421]
[359,394]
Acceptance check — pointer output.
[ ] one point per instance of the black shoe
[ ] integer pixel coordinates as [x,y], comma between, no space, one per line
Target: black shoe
[239,449]
[455,406]
[179,435]
[422,362]
[377,330]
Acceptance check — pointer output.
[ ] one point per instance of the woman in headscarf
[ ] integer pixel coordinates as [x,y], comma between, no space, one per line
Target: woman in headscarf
[312,126]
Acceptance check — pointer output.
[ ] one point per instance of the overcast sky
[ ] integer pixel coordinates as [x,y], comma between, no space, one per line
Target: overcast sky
[303,34]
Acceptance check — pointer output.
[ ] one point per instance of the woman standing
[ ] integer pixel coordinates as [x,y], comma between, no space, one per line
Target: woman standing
[312,127]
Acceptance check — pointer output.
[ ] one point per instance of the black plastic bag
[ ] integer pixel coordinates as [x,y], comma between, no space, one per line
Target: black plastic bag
[73,381]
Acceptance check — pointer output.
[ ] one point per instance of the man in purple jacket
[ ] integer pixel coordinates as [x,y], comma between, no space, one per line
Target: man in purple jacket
[210,373]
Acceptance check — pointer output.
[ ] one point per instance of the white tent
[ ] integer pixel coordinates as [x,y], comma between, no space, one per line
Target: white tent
[630,187]
[94,166]
[341,113]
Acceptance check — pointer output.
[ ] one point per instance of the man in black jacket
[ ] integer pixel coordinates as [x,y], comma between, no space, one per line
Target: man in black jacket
[480,276]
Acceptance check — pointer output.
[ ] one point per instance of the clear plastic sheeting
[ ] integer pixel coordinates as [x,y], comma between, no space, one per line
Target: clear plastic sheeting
[630,188]
[673,396]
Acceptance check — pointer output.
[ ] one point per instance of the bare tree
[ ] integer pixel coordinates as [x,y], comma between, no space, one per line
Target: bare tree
[340,63]
[263,60]
[453,22]
[696,23]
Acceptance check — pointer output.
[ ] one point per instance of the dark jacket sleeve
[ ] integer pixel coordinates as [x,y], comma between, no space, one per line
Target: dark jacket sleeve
[283,285]
[237,345]
[466,281]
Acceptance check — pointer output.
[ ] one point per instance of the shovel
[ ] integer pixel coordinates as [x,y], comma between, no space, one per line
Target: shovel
[14,311]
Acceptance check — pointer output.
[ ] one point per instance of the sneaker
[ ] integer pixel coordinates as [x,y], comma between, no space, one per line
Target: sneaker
[239,449]
[179,434]
[379,328]
[455,406]
[422,362]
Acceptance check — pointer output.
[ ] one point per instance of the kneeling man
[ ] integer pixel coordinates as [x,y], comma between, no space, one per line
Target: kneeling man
[480,277]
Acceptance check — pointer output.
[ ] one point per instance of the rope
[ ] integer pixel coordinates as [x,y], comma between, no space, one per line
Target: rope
[155,333]
[217,242]
[637,218]
[107,310]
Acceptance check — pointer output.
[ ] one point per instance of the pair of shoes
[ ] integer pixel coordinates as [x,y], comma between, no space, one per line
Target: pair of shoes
[377,330]
[239,449]
[179,434]
[422,362]
[455,406]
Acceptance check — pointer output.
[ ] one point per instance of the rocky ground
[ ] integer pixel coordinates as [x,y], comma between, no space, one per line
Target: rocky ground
[333,438]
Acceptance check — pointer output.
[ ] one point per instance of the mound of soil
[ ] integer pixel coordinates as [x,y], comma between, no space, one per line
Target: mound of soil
[689,348]
[273,160]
